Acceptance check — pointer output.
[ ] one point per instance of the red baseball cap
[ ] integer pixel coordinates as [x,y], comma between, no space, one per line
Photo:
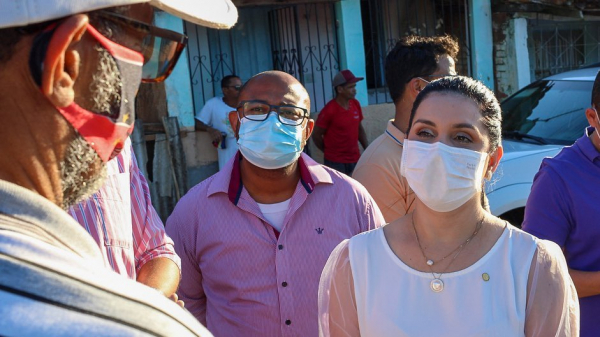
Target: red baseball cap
[345,77]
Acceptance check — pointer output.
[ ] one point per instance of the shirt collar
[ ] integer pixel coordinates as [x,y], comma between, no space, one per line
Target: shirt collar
[393,132]
[586,146]
[229,179]
[52,224]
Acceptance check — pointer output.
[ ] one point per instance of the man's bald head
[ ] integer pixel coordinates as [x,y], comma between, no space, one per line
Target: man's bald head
[276,88]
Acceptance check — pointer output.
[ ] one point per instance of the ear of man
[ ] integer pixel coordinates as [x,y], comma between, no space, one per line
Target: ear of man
[414,87]
[235,123]
[590,114]
[310,125]
[61,64]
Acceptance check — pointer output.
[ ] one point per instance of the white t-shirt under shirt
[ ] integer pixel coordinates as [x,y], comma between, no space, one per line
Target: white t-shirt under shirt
[215,113]
[275,213]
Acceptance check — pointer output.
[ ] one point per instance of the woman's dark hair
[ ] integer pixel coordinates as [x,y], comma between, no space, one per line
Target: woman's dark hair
[474,90]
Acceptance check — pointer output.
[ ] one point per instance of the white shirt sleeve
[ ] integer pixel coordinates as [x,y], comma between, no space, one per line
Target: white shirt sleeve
[337,303]
[552,303]
[205,115]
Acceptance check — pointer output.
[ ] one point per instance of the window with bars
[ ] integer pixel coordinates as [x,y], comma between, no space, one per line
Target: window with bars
[562,46]
[385,21]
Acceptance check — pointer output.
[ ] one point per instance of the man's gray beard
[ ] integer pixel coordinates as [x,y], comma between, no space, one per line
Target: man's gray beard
[106,85]
[82,170]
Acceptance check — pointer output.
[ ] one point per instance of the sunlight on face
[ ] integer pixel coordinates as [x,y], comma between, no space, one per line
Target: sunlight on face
[451,119]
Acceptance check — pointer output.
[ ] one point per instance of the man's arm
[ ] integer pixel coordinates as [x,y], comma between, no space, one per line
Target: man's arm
[161,274]
[215,135]
[157,265]
[362,136]
[321,125]
[317,137]
[587,283]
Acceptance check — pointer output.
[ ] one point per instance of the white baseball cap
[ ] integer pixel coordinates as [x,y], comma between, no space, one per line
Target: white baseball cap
[210,13]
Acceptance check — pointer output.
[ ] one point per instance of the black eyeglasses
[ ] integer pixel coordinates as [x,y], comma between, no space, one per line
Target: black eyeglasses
[259,111]
[161,48]
[235,87]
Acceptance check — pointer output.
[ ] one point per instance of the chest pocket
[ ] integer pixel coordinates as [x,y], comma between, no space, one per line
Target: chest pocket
[115,220]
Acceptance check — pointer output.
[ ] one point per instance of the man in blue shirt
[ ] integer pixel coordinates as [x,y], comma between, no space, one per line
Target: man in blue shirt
[564,206]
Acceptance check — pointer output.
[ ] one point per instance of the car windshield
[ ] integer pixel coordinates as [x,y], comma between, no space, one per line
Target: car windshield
[547,112]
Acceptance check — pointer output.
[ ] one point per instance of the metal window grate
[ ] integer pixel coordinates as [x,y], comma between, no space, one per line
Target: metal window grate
[298,39]
[385,21]
[563,46]
[304,44]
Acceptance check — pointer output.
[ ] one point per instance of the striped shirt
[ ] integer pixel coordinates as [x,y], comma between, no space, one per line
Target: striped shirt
[121,219]
[240,277]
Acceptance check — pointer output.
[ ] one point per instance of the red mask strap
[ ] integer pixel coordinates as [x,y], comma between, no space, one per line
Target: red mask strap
[116,50]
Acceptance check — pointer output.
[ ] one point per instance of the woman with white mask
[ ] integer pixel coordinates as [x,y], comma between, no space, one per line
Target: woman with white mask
[450,268]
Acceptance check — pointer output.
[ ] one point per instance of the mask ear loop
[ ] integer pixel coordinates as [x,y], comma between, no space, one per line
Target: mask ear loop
[597,130]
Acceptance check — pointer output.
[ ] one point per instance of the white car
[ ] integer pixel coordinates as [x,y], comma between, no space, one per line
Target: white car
[538,121]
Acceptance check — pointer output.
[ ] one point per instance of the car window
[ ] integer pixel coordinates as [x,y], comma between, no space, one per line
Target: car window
[550,110]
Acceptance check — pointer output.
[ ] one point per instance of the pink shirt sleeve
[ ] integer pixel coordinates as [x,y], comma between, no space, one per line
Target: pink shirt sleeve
[182,228]
[150,240]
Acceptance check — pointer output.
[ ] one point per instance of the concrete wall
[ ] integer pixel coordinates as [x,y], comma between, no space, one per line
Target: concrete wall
[201,156]
[511,54]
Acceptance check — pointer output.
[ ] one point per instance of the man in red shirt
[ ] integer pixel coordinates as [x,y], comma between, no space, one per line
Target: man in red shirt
[338,129]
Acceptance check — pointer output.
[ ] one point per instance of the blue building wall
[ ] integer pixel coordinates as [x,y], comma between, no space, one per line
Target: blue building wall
[177,85]
[351,44]
[482,43]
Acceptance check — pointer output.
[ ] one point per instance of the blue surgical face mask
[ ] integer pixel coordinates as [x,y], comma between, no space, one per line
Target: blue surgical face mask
[270,144]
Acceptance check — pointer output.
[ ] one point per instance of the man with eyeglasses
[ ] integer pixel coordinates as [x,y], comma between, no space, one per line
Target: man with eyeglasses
[409,67]
[74,69]
[254,238]
[214,118]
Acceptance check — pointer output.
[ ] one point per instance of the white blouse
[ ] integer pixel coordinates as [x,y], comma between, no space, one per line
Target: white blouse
[521,287]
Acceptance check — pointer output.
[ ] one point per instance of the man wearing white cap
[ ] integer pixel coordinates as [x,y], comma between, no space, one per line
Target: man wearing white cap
[338,129]
[74,69]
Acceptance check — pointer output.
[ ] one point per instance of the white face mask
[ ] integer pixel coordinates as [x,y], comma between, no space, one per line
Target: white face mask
[443,177]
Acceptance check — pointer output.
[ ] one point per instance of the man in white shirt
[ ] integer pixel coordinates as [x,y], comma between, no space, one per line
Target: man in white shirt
[214,118]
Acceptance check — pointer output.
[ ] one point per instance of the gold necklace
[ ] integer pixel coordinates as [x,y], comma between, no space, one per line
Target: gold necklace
[437,285]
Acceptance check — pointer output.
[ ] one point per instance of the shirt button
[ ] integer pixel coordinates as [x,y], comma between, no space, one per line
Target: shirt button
[288,322]
[280,247]
[284,284]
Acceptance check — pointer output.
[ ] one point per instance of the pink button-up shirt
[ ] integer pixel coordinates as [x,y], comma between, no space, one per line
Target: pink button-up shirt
[239,277]
[121,219]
